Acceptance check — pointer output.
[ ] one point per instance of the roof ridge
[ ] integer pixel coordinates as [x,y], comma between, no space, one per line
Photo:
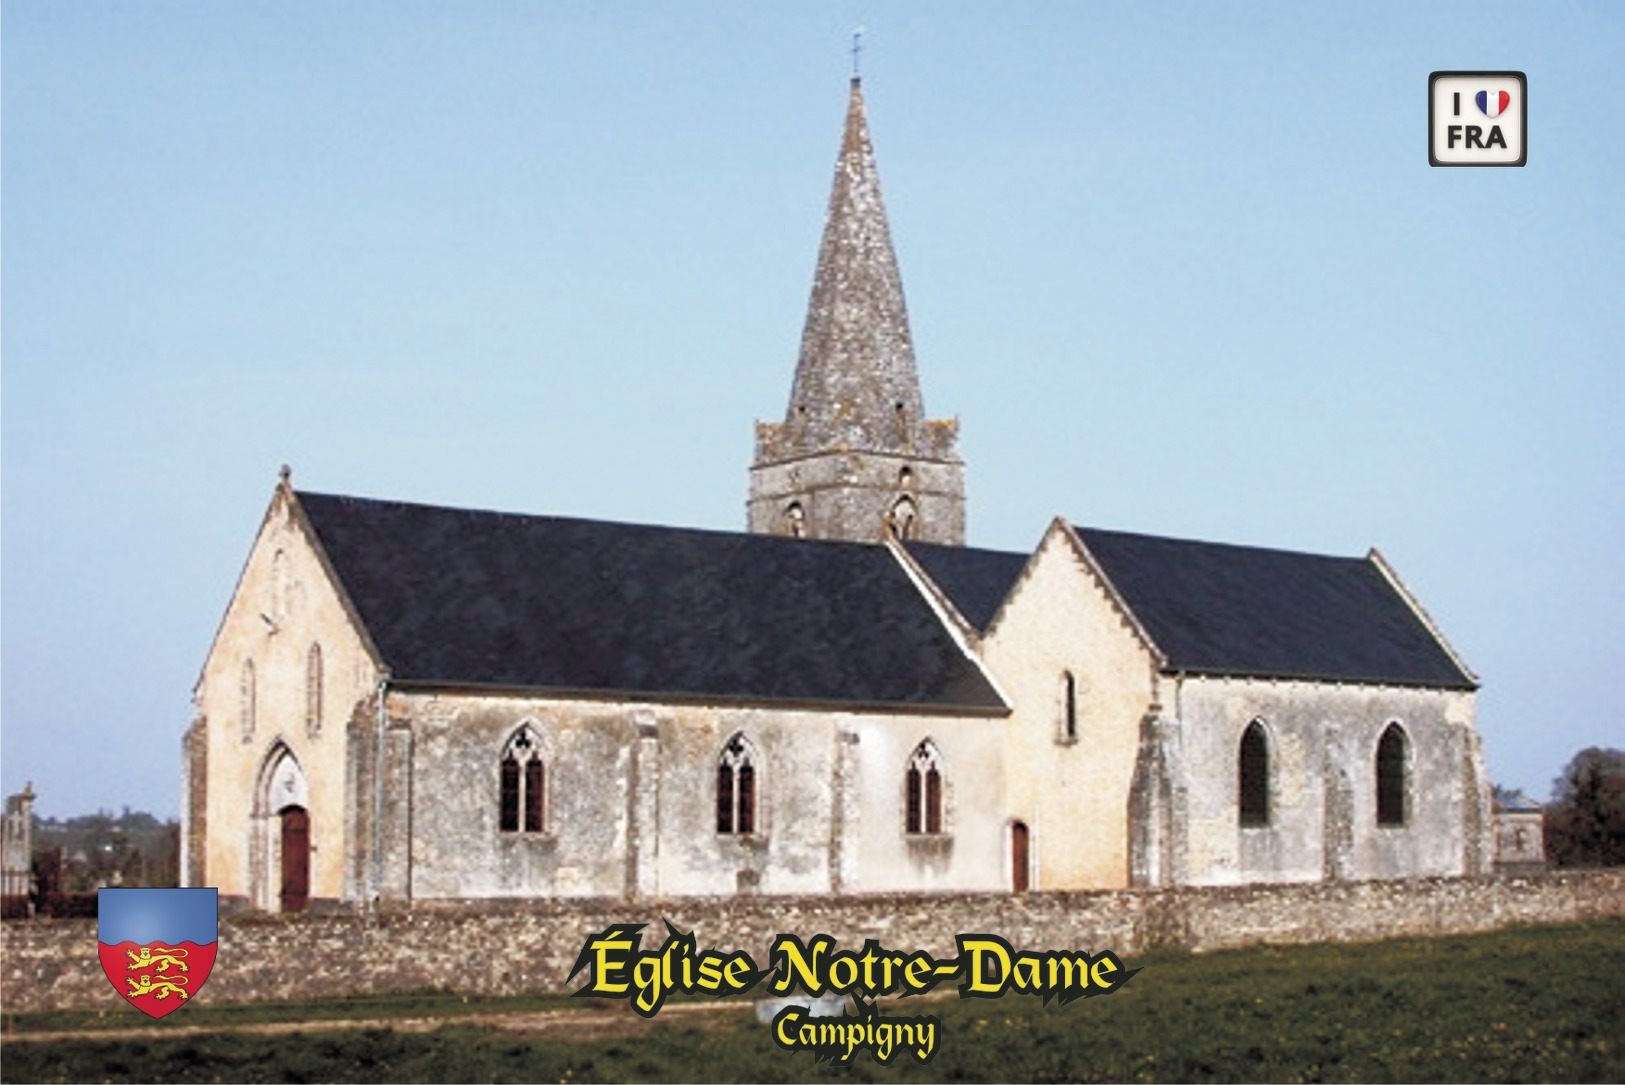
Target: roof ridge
[598,521]
[1253,547]
[912,543]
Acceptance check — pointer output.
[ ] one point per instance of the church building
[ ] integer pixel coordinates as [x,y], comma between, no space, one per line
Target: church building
[410,704]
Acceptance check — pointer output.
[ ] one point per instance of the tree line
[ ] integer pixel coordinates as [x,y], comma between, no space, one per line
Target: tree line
[1585,821]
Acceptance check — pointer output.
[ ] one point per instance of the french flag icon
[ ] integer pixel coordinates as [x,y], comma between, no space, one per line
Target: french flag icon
[1492,103]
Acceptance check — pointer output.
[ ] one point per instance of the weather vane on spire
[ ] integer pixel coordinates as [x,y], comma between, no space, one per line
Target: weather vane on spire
[857,48]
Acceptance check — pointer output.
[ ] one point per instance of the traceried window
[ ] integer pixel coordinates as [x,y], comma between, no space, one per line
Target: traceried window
[524,783]
[923,790]
[313,690]
[1391,784]
[1253,776]
[736,787]
[1068,731]
[245,701]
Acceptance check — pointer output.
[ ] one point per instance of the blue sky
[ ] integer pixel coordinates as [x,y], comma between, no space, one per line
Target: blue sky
[1179,269]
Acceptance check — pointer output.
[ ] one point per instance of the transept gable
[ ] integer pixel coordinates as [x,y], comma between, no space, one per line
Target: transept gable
[1031,600]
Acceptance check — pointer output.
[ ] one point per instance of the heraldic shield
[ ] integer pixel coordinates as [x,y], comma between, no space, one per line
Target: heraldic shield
[157,945]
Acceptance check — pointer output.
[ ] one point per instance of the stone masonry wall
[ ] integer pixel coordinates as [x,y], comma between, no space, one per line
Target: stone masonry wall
[1073,794]
[287,670]
[508,947]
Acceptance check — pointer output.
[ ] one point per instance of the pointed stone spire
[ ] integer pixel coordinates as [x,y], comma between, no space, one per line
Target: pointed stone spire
[855,456]
[856,384]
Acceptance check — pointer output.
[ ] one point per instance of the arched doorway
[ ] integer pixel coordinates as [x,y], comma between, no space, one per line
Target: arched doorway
[1020,857]
[281,838]
[295,858]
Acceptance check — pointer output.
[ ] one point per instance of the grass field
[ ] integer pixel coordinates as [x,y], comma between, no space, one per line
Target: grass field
[1531,1004]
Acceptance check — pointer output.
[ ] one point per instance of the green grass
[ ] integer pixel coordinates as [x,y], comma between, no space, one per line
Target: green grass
[227,1015]
[1531,1004]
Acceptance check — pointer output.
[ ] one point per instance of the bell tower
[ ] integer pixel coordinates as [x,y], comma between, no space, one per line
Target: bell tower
[855,457]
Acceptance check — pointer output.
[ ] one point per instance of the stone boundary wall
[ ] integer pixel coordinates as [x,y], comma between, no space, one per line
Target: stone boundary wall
[510,947]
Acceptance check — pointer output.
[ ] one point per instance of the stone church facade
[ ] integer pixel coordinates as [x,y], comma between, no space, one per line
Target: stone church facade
[406,703]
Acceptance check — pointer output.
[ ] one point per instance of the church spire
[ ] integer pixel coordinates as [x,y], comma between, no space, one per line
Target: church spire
[855,456]
[856,385]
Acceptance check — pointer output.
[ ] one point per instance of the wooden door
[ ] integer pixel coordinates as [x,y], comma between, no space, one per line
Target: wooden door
[295,859]
[1018,857]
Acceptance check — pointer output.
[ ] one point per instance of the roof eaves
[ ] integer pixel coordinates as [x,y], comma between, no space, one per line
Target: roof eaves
[426,685]
[1323,679]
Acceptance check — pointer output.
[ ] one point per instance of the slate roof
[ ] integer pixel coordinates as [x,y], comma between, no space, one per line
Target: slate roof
[464,598]
[1220,609]
[975,581]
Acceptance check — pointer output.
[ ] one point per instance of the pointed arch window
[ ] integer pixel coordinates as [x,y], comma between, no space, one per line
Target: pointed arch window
[1253,776]
[245,701]
[1068,732]
[736,787]
[1391,772]
[524,784]
[313,690]
[922,785]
